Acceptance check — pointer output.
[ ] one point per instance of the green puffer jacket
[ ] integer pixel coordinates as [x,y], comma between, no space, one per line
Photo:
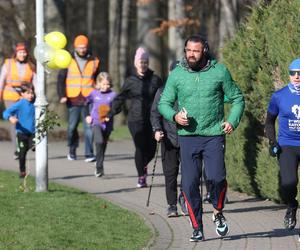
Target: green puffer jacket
[202,95]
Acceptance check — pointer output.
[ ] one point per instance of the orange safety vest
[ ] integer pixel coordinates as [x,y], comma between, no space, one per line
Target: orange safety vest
[13,79]
[81,82]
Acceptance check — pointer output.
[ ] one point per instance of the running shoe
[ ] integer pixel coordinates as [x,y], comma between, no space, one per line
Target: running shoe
[90,159]
[22,174]
[141,182]
[197,236]
[221,224]
[290,219]
[98,173]
[172,211]
[71,157]
[207,199]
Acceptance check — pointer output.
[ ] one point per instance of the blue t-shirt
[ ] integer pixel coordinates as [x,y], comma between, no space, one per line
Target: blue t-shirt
[25,112]
[286,105]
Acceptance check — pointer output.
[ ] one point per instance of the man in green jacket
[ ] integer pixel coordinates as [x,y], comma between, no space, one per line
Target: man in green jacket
[199,84]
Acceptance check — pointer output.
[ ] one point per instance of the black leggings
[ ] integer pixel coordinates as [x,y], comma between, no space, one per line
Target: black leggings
[170,164]
[24,142]
[288,161]
[100,138]
[144,143]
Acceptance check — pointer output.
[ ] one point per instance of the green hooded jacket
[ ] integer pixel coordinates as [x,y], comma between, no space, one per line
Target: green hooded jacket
[202,93]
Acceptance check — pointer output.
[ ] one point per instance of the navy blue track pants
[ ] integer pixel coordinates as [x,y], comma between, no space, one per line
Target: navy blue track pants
[211,150]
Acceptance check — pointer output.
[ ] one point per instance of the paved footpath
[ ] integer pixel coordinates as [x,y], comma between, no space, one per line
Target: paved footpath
[254,223]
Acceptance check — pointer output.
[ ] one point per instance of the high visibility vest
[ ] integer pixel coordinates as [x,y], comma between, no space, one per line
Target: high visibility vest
[81,82]
[14,79]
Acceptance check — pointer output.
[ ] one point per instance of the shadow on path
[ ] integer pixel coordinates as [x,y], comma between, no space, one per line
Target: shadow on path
[275,233]
[256,208]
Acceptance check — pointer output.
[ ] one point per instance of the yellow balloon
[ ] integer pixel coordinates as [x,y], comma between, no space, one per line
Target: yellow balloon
[56,40]
[62,58]
[51,65]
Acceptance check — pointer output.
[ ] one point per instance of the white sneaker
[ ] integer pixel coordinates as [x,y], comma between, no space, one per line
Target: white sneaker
[90,159]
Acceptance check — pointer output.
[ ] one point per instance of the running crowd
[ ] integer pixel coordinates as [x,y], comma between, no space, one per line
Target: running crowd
[183,116]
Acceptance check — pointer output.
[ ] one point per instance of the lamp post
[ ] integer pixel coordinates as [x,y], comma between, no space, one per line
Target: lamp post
[41,153]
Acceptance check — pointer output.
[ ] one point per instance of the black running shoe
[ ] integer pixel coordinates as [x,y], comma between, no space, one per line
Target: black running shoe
[207,199]
[197,236]
[172,211]
[221,224]
[16,155]
[290,219]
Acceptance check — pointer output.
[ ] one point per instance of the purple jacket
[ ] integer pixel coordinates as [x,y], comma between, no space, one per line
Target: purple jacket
[100,99]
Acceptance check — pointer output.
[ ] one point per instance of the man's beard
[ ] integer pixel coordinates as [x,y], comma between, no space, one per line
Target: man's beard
[81,56]
[194,65]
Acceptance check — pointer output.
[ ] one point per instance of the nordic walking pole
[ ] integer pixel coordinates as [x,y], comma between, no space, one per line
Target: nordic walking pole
[153,172]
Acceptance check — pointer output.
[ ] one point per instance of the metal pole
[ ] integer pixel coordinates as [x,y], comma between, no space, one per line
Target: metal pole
[41,154]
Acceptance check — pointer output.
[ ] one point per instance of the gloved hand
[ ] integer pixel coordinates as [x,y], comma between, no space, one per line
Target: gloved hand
[274,149]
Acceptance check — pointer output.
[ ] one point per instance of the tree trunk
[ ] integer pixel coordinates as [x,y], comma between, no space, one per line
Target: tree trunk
[148,17]
[114,44]
[99,32]
[124,42]
[54,22]
[90,16]
[114,39]
[227,23]
[17,24]
[176,39]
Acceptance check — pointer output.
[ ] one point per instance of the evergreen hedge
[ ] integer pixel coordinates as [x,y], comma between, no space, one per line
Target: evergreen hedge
[258,58]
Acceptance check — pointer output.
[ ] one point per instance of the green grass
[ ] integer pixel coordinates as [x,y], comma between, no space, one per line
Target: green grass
[120,133]
[64,218]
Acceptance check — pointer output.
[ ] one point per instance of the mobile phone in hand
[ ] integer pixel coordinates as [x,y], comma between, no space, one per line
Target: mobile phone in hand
[184,113]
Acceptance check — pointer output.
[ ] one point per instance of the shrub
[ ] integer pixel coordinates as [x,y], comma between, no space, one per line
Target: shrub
[258,58]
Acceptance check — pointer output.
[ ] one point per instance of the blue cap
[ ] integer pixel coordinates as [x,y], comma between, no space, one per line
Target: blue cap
[295,64]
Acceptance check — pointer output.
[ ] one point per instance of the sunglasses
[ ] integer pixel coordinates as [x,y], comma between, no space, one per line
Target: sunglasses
[294,72]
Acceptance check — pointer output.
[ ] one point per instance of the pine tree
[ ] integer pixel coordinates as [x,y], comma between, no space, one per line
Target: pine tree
[258,58]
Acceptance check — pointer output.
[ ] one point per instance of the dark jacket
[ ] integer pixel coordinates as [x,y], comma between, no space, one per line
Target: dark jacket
[161,124]
[140,91]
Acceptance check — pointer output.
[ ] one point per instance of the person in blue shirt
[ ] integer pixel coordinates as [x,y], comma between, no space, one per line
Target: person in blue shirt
[285,105]
[22,115]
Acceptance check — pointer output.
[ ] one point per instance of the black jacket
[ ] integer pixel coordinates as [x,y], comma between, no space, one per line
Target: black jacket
[161,124]
[140,91]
